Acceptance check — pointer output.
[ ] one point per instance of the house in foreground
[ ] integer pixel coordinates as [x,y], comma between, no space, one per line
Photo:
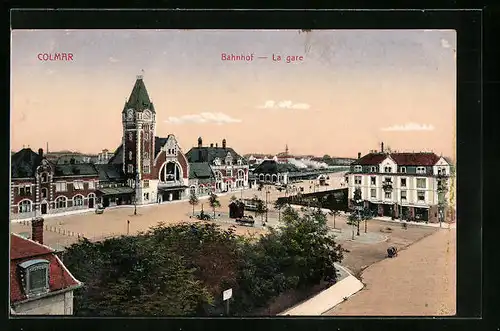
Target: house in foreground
[40,284]
[413,185]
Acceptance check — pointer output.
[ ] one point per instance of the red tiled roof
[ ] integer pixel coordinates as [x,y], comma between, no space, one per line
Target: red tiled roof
[21,248]
[25,250]
[370,159]
[418,159]
[402,159]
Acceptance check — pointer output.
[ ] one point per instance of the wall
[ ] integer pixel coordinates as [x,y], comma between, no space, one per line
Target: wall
[60,304]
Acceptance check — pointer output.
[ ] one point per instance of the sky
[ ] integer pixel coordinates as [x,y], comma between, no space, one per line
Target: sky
[352,89]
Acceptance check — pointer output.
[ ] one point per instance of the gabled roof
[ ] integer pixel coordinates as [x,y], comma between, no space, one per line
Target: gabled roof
[110,172]
[209,154]
[415,159]
[84,169]
[371,159]
[401,159]
[200,170]
[22,250]
[117,157]
[139,98]
[159,142]
[273,167]
[24,163]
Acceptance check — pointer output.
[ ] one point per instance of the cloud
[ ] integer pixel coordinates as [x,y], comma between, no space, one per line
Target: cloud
[445,43]
[409,127]
[112,59]
[203,118]
[285,104]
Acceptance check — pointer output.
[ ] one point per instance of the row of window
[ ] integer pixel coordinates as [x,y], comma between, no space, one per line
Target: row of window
[60,187]
[403,195]
[421,182]
[26,206]
[145,136]
[146,169]
[419,170]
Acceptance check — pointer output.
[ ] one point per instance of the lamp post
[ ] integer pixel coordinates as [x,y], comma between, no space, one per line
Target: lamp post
[136,187]
[267,193]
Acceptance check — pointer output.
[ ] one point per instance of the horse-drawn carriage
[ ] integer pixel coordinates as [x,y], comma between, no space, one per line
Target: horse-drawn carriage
[392,252]
[99,209]
[203,216]
[246,220]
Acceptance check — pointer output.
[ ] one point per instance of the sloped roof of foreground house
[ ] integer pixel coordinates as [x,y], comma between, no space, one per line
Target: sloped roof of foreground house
[402,159]
[22,249]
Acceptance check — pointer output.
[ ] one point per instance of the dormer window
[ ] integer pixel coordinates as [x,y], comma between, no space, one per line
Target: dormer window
[358,168]
[240,162]
[441,171]
[373,169]
[34,276]
[217,162]
[403,170]
[420,170]
[388,169]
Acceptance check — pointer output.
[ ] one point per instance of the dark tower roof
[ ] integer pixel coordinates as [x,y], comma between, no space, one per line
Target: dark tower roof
[139,98]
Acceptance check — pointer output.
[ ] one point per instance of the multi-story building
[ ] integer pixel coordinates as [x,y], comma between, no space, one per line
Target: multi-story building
[40,284]
[230,169]
[103,157]
[411,185]
[39,186]
[155,167]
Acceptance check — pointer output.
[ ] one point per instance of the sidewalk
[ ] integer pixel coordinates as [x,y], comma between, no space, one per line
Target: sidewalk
[92,210]
[443,225]
[329,298]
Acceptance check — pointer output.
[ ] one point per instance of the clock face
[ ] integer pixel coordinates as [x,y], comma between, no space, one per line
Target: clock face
[130,114]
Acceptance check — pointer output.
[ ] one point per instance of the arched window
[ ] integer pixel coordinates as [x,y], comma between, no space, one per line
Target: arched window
[61,202]
[170,171]
[261,177]
[78,200]
[44,193]
[44,178]
[274,178]
[25,206]
[268,177]
[241,174]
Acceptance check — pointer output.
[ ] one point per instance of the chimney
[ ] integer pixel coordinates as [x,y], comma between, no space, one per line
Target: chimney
[37,230]
[200,142]
[40,152]
[359,155]
[223,143]
[381,147]
[212,145]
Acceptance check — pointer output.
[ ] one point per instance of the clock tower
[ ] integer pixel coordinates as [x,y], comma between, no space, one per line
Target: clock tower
[139,125]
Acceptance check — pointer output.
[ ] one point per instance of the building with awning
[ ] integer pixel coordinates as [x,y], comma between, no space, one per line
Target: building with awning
[113,189]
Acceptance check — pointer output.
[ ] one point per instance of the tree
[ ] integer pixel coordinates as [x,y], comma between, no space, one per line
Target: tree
[279,204]
[334,213]
[214,202]
[130,276]
[260,206]
[193,200]
[355,217]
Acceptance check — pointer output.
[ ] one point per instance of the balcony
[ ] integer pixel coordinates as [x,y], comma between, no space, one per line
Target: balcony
[171,183]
